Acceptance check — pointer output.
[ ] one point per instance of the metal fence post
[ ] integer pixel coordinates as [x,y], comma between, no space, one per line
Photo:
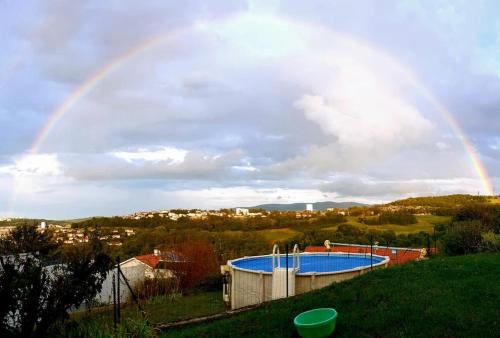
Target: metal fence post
[371,252]
[428,245]
[286,259]
[118,290]
[136,300]
[113,285]
[435,242]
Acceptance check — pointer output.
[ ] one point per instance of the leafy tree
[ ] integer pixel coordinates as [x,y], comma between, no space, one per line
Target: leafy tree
[197,261]
[39,284]
[463,238]
[488,215]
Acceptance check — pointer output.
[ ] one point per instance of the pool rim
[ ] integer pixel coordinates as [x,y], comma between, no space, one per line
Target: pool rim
[385,260]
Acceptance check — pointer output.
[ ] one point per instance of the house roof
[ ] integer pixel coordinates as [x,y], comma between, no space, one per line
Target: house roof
[153,260]
[150,260]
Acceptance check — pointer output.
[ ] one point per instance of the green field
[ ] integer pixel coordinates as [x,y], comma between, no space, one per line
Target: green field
[425,223]
[442,297]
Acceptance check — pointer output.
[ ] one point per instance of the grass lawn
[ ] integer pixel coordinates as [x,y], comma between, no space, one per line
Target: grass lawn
[163,309]
[442,297]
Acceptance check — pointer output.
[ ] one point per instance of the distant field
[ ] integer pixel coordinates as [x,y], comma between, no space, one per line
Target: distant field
[425,223]
[270,235]
[494,200]
[278,234]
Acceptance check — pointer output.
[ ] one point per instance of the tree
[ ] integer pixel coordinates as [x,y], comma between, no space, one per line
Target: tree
[197,261]
[463,238]
[39,284]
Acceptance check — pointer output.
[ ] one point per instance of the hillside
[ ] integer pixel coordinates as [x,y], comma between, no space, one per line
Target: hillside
[442,297]
[302,206]
[447,201]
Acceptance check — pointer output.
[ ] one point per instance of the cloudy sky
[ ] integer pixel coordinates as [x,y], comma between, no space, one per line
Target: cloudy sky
[109,107]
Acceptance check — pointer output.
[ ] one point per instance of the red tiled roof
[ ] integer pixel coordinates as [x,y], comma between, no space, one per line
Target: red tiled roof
[151,259]
[401,255]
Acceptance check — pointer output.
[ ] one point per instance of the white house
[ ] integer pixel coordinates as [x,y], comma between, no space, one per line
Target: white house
[136,270]
[242,211]
[309,207]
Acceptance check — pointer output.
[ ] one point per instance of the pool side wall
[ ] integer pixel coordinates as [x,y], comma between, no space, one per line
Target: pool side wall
[254,287]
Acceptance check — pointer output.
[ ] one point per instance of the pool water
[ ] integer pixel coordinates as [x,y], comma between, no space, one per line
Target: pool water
[308,263]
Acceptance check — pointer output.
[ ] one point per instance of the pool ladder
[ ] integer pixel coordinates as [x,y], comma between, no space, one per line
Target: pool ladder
[283,282]
[295,257]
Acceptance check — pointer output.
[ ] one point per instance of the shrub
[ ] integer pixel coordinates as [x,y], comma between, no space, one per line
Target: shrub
[488,215]
[490,241]
[401,218]
[463,238]
[151,287]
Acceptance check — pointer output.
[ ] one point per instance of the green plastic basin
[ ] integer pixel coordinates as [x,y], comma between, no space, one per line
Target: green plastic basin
[316,323]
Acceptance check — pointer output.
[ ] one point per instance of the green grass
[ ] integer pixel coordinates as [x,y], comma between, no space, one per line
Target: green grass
[424,223]
[277,235]
[163,309]
[442,297]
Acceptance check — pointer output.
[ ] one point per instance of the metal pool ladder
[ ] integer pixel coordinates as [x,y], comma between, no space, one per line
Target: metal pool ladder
[283,282]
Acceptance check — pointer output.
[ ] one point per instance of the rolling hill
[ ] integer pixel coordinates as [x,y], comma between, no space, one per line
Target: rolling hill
[302,206]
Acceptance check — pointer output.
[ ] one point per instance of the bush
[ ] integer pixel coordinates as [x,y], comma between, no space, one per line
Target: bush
[463,238]
[488,215]
[490,241]
[155,287]
[401,218]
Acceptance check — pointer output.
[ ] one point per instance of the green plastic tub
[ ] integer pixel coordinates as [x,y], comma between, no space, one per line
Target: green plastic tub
[316,323]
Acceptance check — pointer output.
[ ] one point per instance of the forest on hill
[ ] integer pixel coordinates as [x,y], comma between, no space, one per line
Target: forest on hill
[448,201]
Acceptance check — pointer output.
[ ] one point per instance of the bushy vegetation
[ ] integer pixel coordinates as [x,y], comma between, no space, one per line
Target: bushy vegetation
[449,201]
[474,228]
[152,287]
[40,284]
[398,217]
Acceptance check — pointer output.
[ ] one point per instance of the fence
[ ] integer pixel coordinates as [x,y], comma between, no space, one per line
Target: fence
[121,302]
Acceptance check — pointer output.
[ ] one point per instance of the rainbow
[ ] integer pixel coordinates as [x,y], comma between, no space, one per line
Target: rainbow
[91,82]
[110,67]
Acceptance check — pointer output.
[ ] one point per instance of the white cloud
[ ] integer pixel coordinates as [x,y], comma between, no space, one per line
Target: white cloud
[34,165]
[164,154]
[360,109]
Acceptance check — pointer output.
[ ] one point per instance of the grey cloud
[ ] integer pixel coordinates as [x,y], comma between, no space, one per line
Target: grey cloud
[196,166]
[386,190]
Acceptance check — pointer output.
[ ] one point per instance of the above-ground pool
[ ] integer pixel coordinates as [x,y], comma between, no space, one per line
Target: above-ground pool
[252,282]
[309,263]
